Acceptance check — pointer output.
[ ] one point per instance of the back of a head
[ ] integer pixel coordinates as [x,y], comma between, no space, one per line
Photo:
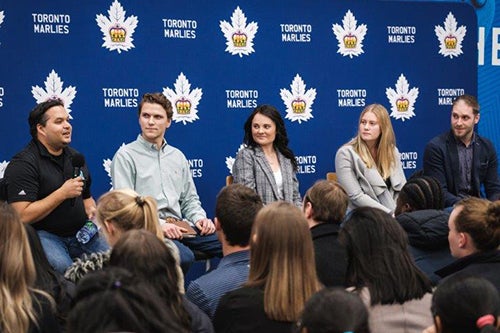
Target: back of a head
[378,258]
[134,251]
[236,208]
[128,210]
[112,300]
[480,218]
[334,310]
[280,260]
[421,193]
[466,304]
[149,259]
[329,201]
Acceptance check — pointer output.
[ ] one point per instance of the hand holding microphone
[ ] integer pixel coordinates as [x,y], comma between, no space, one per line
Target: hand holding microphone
[78,161]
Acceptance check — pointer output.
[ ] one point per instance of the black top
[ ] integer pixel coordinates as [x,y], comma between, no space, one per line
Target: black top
[242,310]
[200,323]
[46,319]
[483,264]
[33,174]
[330,255]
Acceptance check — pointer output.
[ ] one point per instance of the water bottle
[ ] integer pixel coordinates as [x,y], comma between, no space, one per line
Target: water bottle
[85,234]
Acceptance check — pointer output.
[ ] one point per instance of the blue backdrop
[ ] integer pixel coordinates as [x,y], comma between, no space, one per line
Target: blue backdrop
[318,62]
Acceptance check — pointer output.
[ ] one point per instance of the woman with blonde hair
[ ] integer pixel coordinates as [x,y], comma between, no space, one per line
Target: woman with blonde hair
[22,307]
[282,275]
[369,166]
[117,212]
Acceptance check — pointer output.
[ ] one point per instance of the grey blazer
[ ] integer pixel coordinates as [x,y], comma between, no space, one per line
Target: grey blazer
[365,186]
[252,169]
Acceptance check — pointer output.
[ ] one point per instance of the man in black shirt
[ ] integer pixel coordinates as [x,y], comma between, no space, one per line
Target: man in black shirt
[43,190]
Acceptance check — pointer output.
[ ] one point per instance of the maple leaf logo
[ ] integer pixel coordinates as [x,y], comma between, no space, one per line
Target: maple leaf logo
[450,38]
[106,163]
[402,99]
[350,36]
[54,89]
[183,100]
[230,160]
[2,16]
[298,101]
[117,29]
[238,34]
[3,166]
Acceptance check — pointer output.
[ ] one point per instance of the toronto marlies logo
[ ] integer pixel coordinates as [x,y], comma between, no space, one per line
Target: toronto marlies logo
[184,101]
[230,160]
[239,35]
[117,28]
[298,100]
[106,163]
[402,99]
[450,37]
[54,89]
[350,36]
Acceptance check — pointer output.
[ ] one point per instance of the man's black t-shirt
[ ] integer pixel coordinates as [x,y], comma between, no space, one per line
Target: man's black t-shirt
[33,174]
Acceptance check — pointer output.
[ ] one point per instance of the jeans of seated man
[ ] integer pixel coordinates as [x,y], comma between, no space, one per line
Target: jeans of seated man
[208,244]
[60,251]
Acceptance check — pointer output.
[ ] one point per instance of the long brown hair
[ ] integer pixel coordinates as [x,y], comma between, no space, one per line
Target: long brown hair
[282,260]
[17,274]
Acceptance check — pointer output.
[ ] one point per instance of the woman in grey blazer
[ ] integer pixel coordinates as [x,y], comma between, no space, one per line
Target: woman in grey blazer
[266,164]
[369,166]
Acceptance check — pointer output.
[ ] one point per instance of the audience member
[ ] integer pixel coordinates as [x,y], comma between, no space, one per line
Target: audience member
[235,211]
[150,166]
[117,212]
[325,205]
[148,258]
[48,279]
[281,277]
[419,210]
[381,270]
[23,308]
[113,300]
[474,239]
[462,160]
[334,310]
[465,305]
[46,192]
[369,166]
[267,164]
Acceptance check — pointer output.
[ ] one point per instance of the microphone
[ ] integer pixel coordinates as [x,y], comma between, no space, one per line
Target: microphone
[77,160]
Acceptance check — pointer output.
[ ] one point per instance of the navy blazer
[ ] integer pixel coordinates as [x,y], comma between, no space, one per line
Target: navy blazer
[441,161]
[252,169]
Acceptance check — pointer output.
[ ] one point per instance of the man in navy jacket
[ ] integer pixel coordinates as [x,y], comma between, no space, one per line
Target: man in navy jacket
[464,162]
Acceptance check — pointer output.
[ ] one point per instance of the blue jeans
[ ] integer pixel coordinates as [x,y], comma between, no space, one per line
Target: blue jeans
[208,244]
[60,251]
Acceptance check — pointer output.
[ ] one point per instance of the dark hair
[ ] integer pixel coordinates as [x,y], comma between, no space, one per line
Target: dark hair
[157,98]
[236,208]
[378,258]
[112,300]
[37,115]
[480,218]
[420,193]
[334,310]
[148,258]
[470,101]
[329,201]
[281,140]
[461,300]
[48,279]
